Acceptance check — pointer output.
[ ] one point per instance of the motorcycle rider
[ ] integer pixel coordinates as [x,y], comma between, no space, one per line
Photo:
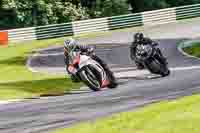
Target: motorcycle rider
[139,39]
[72,44]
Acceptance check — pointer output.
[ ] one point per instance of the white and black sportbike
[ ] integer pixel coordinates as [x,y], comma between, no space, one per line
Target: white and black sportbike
[149,57]
[89,71]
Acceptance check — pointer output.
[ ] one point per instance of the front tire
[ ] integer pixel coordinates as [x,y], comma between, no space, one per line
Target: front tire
[165,73]
[91,77]
[156,67]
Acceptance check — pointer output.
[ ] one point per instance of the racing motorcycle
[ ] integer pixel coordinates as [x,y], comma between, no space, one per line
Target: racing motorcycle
[149,57]
[89,71]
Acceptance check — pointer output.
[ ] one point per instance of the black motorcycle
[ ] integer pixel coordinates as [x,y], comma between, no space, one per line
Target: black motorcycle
[150,58]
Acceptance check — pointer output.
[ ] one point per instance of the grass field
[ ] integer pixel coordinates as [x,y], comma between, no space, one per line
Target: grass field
[194,50]
[181,116]
[16,81]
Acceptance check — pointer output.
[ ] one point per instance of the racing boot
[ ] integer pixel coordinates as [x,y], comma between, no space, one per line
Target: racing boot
[113,83]
[139,65]
[112,79]
[74,78]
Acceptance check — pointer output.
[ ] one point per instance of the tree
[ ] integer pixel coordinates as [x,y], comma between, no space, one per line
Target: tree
[88,3]
[146,5]
[24,13]
[42,12]
[106,8]
[59,12]
[182,2]
[114,7]
[8,17]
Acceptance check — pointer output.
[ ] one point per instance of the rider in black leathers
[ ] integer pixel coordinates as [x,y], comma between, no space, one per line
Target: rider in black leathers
[72,44]
[140,39]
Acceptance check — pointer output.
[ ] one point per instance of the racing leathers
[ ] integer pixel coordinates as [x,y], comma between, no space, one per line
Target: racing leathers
[144,41]
[90,50]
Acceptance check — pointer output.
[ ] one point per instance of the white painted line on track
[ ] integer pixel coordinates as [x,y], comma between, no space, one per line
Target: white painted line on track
[28,63]
[10,101]
[122,69]
[50,54]
[136,73]
[186,54]
[189,43]
[185,68]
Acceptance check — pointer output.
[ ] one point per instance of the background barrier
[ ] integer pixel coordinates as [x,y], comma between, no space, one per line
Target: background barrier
[125,21]
[186,12]
[149,18]
[91,25]
[3,38]
[159,16]
[22,34]
[52,31]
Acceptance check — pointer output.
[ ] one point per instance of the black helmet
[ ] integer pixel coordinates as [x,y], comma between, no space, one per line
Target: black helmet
[138,37]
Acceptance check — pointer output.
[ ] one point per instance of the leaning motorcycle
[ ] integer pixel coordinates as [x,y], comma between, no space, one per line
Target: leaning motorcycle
[89,71]
[149,57]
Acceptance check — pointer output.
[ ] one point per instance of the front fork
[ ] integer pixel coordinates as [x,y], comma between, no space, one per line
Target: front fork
[160,57]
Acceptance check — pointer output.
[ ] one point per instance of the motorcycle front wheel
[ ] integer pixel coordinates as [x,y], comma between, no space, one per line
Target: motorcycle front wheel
[91,77]
[156,67]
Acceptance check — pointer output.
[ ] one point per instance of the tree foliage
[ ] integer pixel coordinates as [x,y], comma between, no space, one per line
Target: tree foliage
[24,13]
[108,8]
[146,5]
[42,12]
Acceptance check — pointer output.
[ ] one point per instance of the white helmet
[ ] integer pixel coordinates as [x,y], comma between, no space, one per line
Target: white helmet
[69,44]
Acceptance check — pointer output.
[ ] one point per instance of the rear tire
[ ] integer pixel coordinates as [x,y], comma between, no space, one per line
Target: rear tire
[112,85]
[112,79]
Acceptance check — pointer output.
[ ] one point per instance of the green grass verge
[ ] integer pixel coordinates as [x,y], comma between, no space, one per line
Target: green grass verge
[16,81]
[181,116]
[194,50]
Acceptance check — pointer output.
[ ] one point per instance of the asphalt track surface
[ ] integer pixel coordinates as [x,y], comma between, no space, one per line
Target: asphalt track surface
[136,89]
